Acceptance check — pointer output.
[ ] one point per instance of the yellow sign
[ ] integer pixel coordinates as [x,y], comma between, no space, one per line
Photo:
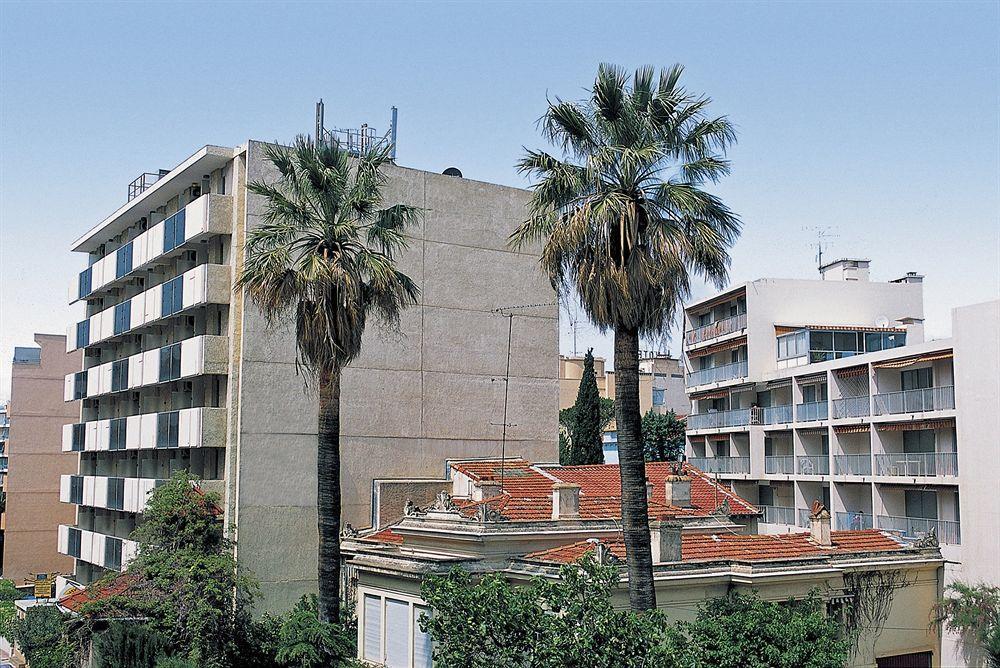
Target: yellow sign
[44,584]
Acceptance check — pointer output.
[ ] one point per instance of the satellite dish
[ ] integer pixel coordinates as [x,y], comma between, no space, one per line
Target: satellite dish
[453,171]
[881,321]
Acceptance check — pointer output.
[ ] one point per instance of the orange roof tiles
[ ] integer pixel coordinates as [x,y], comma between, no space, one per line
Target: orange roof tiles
[74,601]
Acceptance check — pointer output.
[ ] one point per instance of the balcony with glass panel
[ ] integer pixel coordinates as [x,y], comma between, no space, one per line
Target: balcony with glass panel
[718,419]
[811,411]
[734,465]
[853,521]
[851,407]
[917,464]
[109,492]
[776,414]
[779,464]
[808,345]
[716,329]
[184,428]
[948,532]
[919,400]
[853,464]
[717,374]
[778,514]
[812,464]
[106,551]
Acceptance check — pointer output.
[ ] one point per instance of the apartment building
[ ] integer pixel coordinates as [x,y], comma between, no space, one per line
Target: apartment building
[181,373]
[36,415]
[826,389]
[4,432]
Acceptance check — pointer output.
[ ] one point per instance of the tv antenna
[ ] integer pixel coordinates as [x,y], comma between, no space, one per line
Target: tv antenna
[822,243]
[573,316]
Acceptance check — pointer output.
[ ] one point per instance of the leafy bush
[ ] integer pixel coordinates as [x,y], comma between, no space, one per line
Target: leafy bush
[973,611]
[42,638]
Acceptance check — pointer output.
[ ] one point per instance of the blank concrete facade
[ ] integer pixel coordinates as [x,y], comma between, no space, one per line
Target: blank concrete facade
[430,390]
[37,416]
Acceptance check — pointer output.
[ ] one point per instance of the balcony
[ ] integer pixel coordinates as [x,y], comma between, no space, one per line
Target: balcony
[734,418]
[852,464]
[716,329]
[776,414]
[917,464]
[813,464]
[802,517]
[849,407]
[779,464]
[854,521]
[948,532]
[811,411]
[778,514]
[125,494]
[915,401]
[721,464]
[717,374]
[205,284]
[184,428]
[208,215]
[196,356]
[96,548]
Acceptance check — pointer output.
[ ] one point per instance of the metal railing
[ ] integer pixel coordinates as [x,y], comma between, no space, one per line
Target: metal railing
[915,401]
[777,414]
[917,464]
[813,464]
[778,514]
[854,521]
[802,517]
[721,464]
[813,410]
[717,328]
[852,464]
[717,373]
[849,407]
[733,418]
[947,531]
[779,464]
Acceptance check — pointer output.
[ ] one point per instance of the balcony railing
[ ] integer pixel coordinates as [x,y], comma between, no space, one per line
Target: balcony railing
[114,493]
[854,521]
[714,329]
[721,464]
[802,517]
[185,428]
[813,464]
[734,418]
[717,374]
[917,464]
[810,411]
[96,548]
[849,407]
[852,464]
[777,464]
[778,514]
[776,414]
[947,531]
[915,401]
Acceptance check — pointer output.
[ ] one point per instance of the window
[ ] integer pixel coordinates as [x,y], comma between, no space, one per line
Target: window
[80,385]
[112,553]
[919,441]
[920,504]
[119,375]
[170,362]
[83,333]
[397,638]
[167,428]
[117,436]
[658,398]
[123,260]
[813,393]
[820,340]
[792,345]
[173,231]
[421,640]
[172,297]
[918,379]
[116,493]
[766,495]
[76,489]
[123,317]
[372,649]
[391,634]
[73,546]
[85,283]
[79,437]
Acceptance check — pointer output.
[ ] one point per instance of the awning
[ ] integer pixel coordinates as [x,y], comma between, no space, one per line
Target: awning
[916,425]
[720,299]
[812,378]
[777,384]
[837,328]
[782,329]
[929,357]
[716,394]
[717,348]
[851,372]
[851,429]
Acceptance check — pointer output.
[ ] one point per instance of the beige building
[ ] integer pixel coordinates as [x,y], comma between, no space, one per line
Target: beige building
[180,373]
[37,414]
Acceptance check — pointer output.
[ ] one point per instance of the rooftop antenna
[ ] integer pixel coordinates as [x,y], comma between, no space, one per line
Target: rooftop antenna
[574,319]
[822,242]
[355,140]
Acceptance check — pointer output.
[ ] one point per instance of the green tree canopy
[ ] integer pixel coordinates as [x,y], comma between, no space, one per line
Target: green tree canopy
[973,611]
[662,436]
[588,428]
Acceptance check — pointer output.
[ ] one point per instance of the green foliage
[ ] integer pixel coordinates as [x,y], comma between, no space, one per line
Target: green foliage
[587,429]
[128,645]
[306,642]
[662,436]
[42,638]
[973,611]
[177,517]
[9,592]
[566,421]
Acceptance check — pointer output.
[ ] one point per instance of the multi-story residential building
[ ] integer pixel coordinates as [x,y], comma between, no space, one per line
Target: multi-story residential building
[4,432]
[826,389]
[180,372]
[37,414]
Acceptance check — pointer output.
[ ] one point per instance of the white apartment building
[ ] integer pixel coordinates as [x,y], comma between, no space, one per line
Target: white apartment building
[180,372]
[826,389]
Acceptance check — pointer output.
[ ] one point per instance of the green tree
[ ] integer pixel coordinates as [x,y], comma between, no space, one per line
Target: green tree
[324,259]
[41,636]
[973,611]
[587,429]
[662,436]
[566,427]
[625,223]
[304,641]
[128,645]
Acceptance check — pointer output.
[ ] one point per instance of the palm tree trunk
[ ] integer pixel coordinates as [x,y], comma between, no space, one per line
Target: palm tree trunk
[632,465]
[328,494]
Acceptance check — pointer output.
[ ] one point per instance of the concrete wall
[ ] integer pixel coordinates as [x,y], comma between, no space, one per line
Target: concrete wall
[37,416]
[414,398]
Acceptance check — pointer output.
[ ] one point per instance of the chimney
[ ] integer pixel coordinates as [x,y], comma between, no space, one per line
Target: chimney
[666,536]
[565,501]
[819,525]
[486,488]
[678,489]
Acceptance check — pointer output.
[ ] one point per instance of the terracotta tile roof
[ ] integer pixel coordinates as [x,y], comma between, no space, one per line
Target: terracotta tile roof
[703,547]
[75,600]
[384,536]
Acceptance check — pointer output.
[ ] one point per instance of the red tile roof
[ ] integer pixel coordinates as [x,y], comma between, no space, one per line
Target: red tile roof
[732,547]
[75,600]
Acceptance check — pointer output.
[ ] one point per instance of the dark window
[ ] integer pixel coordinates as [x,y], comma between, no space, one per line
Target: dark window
[123,260]
[873,342]
[76,489]
[765,495]
[915,660]
[920,503]
[123,317]
[918,379]
[73,549]
[117,440]
[116,493]
[167,426]
[893,340]
[170,362]
[79,437]
[83,333]
[85,283]
[820,340]
[119,375]
[173,231]
[80,385]
[113,553]
[173,296]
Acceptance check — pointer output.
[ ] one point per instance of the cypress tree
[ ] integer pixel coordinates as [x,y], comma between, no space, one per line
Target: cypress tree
[586,432]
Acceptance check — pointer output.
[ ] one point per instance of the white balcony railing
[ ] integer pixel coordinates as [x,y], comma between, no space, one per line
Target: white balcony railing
[715,329]
[813,464]
[854,521]
[721,464]
[802,517]
[184,428]
[96,548]
[776,414]
[852,464]
[778,514]
[849,407]
[717,374]
[948,532]
[779,464]
[811,411]
[917,464]
[114,493]
[734,418]
[915,401]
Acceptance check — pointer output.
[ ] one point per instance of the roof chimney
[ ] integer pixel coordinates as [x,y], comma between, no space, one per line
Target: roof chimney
[678,489]
[666,536]
[565,501]
[819,525]
[486,488]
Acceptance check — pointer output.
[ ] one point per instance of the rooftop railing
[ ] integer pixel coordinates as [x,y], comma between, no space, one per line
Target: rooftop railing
[715,329]
[915,401]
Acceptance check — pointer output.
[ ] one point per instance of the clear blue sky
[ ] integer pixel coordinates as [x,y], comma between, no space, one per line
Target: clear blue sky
[877,120]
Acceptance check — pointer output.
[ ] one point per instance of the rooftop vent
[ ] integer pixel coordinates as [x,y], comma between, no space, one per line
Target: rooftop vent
[453,171]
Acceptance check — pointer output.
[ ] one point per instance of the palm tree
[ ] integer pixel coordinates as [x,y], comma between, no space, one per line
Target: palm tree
[324,259]
[624,222]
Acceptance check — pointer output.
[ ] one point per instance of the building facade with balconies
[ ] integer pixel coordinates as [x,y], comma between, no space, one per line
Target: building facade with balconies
[826,389]
[181,373]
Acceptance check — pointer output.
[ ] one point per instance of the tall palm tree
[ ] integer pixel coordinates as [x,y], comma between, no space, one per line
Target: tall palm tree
[625,224]
[324,259]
